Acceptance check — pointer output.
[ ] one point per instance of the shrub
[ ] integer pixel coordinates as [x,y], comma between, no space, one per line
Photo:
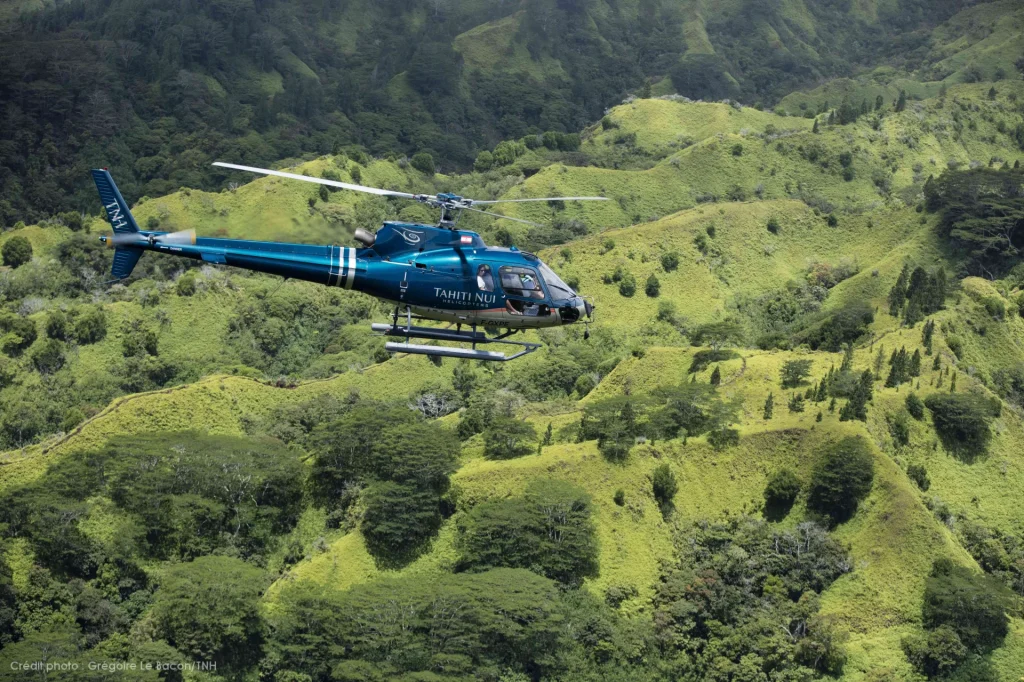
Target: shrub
[915,406]
[57,326]
[508,438]
[16,251]
[16,333]
[48,357]
[667,312]
[720,439]
[653,286]
[842,477]
[91,326]
[423,162]
[773,225]
[703,359]
[995,307]
[919,475]
[664,485]
[620,497]
[186,285]
[962,421]
[627,285]
[737,150]
[899,428]
[669,261]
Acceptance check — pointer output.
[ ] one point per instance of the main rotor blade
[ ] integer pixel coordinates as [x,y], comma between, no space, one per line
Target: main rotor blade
[503,217]
[319,181]
[520,201]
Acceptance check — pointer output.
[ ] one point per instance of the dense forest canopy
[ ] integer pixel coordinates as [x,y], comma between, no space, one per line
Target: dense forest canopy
[157,90]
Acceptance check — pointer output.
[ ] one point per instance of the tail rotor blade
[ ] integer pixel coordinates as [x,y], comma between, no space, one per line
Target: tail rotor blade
[182,237]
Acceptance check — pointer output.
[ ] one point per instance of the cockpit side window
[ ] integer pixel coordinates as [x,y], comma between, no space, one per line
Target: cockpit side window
[484,278]
[559,289]
[523,282]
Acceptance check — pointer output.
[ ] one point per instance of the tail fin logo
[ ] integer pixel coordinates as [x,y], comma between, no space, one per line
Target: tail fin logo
[117,220]
[117,210]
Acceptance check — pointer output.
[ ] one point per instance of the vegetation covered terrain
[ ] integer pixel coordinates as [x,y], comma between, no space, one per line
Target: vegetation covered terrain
[792,448]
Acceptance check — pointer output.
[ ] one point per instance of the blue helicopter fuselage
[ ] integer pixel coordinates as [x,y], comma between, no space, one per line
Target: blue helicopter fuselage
[439,273]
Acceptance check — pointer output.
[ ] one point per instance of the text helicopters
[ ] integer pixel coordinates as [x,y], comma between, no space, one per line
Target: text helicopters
[428,272]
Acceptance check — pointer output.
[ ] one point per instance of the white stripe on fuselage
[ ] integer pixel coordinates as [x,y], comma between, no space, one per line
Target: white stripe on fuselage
[351,275]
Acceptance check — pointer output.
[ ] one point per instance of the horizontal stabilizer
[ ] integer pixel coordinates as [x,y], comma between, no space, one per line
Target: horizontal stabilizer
[125,259]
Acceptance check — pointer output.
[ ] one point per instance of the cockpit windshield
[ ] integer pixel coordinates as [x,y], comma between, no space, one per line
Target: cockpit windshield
[559,289]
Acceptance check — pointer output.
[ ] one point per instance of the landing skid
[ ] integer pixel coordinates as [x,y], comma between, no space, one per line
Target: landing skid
[409,331]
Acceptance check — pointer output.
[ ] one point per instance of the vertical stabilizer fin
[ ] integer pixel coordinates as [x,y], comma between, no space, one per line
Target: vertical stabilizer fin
[121,219]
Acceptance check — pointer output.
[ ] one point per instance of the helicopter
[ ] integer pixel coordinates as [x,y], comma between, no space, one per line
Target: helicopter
[427,272]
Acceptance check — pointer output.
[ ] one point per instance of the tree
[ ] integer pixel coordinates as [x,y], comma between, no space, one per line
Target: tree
[57,326]
[664,485]
[780,493]
[549,530]
[936,653]
[841,478]
[91,326]
[484,161]
[962,421]
[857,406]
[463,379]
[508,438]
[901,102]
[769,406]
[210,609]
[16,333]
[717,334]
[653,287]
[981,213]
[716,376]
[398,520]
[423,162]
[506,619]
[794,372]
[972,605]
[898,293]
[16,251]
[49,356]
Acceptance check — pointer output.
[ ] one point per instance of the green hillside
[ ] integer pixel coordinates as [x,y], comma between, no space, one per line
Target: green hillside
[792,448]
[160,90]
